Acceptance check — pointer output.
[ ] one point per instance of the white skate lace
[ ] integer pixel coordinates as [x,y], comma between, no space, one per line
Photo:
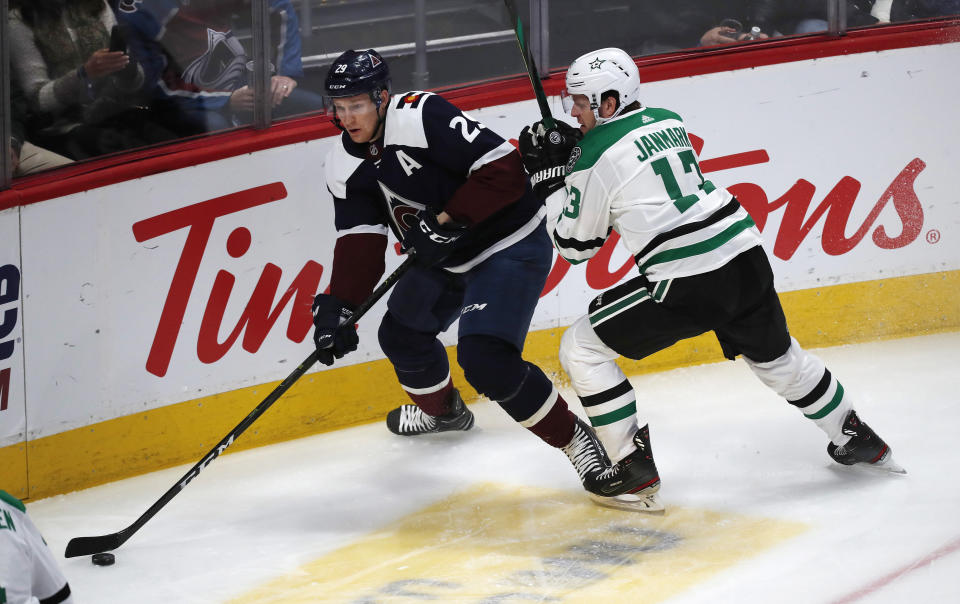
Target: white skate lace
[412,419]
[582,454]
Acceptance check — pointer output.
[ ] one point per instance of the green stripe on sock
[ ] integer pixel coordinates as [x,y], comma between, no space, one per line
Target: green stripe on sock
[830,406]
[614,416]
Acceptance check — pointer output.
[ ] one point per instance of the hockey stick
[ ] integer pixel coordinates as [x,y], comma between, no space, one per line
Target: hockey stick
[531,66]
[84,546]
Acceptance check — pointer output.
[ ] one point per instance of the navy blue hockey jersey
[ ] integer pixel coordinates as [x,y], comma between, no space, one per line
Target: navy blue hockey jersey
[428,151]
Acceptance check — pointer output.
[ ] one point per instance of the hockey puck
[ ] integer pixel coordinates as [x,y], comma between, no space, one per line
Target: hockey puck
[104,559]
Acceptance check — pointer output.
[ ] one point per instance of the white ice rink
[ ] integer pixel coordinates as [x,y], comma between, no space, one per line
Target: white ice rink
[756,512]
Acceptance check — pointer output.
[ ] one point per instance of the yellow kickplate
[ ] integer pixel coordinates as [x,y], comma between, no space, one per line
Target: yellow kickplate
[496,543]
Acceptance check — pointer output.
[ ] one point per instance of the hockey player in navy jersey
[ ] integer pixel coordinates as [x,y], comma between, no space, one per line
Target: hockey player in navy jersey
[632,169]
[456,195]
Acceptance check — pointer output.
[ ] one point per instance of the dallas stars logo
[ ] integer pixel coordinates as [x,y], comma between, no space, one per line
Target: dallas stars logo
[596,63]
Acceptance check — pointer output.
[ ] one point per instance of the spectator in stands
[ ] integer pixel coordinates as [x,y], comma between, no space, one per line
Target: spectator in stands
[27,158]
[197,70]
[907,10]
[809,16]
[81,91]
[669,25]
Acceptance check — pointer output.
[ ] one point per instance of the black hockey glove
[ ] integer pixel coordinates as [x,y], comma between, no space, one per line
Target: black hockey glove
[333,336]
[545,153]
[430,240]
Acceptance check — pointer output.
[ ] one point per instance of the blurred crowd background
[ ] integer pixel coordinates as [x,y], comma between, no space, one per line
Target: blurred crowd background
[86,78]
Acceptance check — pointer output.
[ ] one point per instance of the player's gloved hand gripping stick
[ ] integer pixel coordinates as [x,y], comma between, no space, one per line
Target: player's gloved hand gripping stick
[335,334]
[545,153]
[84,546]
[544,147]
[431,241]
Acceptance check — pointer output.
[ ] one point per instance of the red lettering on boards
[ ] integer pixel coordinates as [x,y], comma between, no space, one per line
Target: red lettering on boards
[259,315]
[836,206]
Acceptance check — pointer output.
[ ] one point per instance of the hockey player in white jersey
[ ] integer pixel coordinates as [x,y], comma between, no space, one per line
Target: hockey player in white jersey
[28,571]
[700,260]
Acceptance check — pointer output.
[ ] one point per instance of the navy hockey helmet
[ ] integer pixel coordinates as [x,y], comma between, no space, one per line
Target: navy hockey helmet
[356,72]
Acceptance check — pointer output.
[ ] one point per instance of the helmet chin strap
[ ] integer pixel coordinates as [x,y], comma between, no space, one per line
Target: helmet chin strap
[601,120]
[381,121]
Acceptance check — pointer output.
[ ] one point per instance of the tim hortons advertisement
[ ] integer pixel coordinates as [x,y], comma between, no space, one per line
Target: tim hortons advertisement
[12,408]
[198,281]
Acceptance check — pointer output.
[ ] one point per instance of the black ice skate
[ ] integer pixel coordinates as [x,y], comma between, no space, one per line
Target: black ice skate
[864,447]
[630,484]
[640,479]
[410,420]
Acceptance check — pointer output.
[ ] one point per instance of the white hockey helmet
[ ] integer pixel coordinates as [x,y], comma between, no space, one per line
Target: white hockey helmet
[600,71]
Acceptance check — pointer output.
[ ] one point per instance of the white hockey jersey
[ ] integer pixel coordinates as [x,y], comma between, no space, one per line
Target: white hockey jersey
[28,570]
[637,174]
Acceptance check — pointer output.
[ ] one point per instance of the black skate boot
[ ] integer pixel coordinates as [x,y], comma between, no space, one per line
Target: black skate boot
[630,484]
[410,420]
[864,447]
[640,480]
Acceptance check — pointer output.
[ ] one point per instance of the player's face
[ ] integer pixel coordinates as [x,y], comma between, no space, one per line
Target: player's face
[582,111]
[358,115]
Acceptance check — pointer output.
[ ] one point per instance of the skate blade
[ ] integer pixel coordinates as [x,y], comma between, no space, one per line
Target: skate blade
[647,504]
[889,465]
[886,466]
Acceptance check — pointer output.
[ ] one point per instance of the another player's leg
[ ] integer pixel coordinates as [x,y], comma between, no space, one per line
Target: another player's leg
[499,301]
[610,403]
[495,368]
[802,379]
[424,303]
[422,368]
[762,337]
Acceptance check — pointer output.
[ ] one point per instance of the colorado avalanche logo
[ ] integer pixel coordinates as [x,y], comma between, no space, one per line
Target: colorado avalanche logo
[222,67]
[403,211]
[574,156]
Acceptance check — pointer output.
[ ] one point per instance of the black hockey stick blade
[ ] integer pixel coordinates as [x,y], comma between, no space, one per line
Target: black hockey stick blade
[85,546]
[531,65]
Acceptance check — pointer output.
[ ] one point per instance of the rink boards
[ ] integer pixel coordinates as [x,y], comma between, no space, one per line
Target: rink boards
[143,319]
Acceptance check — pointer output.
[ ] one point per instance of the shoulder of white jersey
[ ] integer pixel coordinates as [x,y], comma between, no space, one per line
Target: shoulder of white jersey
[659,114]
[12,501]
[591,148]
[405,119]
[339,167]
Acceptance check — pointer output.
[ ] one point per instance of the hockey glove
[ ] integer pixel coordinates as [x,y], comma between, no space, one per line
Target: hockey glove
[333,336]
[430,240]
[545,153]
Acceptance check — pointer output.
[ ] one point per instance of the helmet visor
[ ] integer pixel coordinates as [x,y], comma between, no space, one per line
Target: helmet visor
[566,100]
[351,106]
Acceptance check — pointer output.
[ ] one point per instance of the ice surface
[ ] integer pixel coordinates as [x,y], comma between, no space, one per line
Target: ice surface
[761,513]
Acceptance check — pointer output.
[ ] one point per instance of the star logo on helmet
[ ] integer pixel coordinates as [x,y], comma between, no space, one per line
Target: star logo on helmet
[596,63]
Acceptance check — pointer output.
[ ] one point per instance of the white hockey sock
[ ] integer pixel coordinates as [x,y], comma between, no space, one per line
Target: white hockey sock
[807,384]
[607,397]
